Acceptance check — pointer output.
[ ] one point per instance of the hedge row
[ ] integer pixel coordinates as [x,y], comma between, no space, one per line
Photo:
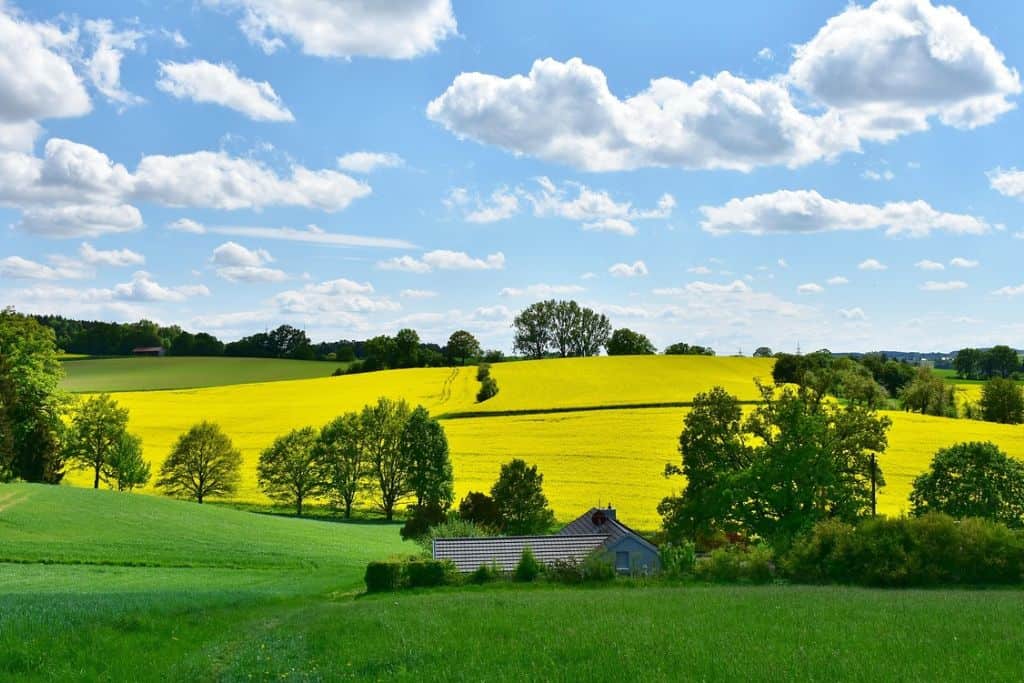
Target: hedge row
[396,575]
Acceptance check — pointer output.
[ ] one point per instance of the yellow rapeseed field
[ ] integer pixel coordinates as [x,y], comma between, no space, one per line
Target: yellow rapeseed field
[621,380]
[614,456]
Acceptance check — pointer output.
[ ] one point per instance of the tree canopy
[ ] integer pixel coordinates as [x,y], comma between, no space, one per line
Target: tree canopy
[626,342]
[98,428]
[520,501]
[202,463]
[1002,400]
[563,328]
[288,471]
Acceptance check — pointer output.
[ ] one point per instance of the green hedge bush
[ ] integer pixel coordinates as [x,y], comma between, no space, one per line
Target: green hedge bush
[383,576]
[733,563]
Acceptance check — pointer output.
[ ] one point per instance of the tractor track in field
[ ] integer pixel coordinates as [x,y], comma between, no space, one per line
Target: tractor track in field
[467,414]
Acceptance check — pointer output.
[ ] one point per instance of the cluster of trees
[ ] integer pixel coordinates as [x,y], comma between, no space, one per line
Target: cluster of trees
[405,350]
[562,328]
[794,460]
[844,374]
[683,349]
[998,361]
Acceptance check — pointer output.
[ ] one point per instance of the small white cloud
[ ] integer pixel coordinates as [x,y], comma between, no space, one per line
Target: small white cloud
[236,263]
[885,175]
[179,41]
[929,265]
[872,264]
[960,262]
[368,162]
[588,276]
[636,269]
[765,54]
[443,259]
[541,290]
[187,225]
[407,264]
[501,205]
[782,263]
[699,270]
[619,225]
[948,286]
[855,313]
[810,288]
[205,82]
[114,257]
[1010,290]
[837,280]
[417,294]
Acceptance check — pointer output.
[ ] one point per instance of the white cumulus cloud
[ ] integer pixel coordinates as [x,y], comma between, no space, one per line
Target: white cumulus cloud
[202,81]
[368,162]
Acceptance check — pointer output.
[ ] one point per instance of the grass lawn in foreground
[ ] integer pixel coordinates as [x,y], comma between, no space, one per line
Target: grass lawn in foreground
[93,375]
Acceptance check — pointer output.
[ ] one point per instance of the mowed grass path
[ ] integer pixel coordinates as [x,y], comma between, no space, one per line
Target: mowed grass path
[95,375]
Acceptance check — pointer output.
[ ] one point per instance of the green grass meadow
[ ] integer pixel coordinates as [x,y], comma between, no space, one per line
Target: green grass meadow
[150,374]
[97,585]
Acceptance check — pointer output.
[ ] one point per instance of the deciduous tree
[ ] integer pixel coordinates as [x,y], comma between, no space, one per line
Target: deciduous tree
[98,426]
[626,342]
[430,468]
[202,463]
[288,470]
[972,480]
[125,467]
[519,498]
[341,452]
[1002,400]
[382,426]
[533,329]
[462,346]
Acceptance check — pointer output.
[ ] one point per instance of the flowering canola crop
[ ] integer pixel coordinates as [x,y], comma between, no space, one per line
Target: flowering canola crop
[587,457]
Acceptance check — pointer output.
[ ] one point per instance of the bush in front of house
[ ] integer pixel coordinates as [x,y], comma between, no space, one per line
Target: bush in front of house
[930,550]
[594,568]
[429,573]
[485,573]
[736,564]
[383,577]
[678,559]
[528,568]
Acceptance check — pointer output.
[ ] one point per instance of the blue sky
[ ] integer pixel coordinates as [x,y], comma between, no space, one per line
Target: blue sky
[732,174]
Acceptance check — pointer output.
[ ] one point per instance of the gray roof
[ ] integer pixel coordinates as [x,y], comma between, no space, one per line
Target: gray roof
[602,522]
[468,554]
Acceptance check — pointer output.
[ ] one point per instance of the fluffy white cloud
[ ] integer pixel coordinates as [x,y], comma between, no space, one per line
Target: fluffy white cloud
[927,264]
[502,204]
[218,181]
[1009,183]
[368,162]
[565,112]
[838,280]
[1010,290]
[619,225]
[635,269]
[806,211]
[399,29]
[810,288]
[701,287]
[888,67]
[443,259]
[948,286]
[855,314]
[334,297]
[37,80]
[236,263]
[202,81]
[870,74]
[104,66]
[81,220]
[595,209]
[187,225]
[541,290]
[872,264]
[112,257]
[144,288]
[417,294]
[961,262]
[18,268]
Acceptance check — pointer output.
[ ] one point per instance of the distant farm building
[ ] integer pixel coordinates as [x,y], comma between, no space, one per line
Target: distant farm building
[149,351]
[598,531]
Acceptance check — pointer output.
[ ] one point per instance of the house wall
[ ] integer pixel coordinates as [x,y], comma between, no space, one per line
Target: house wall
[642,558]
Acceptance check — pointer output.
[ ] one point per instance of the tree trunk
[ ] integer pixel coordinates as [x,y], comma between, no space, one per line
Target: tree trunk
[348,508]
[199,497]
[298,506]
[96,479]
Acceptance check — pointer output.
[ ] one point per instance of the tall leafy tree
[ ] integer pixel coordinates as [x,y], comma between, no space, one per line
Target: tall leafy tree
[407,348]
[533,329]
[30,402]
[1002,400]
[382,426]
[289,470]
[519,498]
[684,349]
[626,342]
[202,463]
[462,346]
[592,333]
[430,467]
[566,318]
[1000,361]
[968,363]
[98,427]
[929,394]
[125,467]
[341,452]
[972,480]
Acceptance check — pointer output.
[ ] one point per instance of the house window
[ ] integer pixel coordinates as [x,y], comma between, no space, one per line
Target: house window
[622,561]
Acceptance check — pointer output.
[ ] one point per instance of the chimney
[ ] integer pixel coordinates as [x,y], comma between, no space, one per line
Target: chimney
[609,511]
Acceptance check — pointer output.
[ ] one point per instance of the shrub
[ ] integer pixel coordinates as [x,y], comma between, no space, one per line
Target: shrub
[488,389]
[484,574]
[678,559]
[922,551]
[383,576]
[429,573]
[452,528]
[421,519]
[733,563]
[480,509]
[528,568]
[597,566]
[566,571]
[593,568]
[483,371]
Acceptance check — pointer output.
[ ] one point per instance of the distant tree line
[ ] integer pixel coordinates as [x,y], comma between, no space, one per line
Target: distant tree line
[998,361]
